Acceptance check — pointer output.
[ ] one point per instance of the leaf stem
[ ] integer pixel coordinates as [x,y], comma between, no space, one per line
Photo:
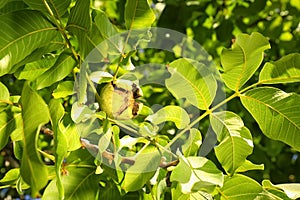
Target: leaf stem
[208,112]
[62,31]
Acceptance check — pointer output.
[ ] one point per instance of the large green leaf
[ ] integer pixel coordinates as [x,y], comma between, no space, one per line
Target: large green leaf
[193,81]
[35,113]
[62,68]
[145,166]
[285,70]
[235,140]
[80,183]
[240,187]
[10,124]
[199,174]
[106,28]
[34,69]
[60,141]
[276,112]
[80,23]
[243,59]
[22,32]
[138,14]
[175,114]
[58,7]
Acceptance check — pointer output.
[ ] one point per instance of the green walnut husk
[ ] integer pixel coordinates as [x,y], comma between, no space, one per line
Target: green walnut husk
[118,100]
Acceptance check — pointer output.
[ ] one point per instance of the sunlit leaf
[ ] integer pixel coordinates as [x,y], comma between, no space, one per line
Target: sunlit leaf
[243,59]
[285,70]
[240,187]
[138,14]
[199,195]
[175,114]
[235,140]
[11,176]
[276,112]
[193,81]
[64,89]
[143,169]
[199,174]
[193,140]
[4,93]
[62,67]
[60,141]
[33,171]
[22,32]
[34,69]
[248,165]
[292,190]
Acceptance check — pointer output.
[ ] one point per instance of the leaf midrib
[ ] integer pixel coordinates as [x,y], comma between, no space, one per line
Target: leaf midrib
[272,108]
[28,34]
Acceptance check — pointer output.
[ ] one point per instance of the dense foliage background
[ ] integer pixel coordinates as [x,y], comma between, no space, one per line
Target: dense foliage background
[42,45]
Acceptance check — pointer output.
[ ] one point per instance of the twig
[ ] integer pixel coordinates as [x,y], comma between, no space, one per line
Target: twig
[110,156]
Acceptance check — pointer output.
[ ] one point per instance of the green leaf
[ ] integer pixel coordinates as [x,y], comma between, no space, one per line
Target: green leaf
[22,32]
[138,14]
[101,77]
[248,165]
[193,81]
[175,114]
[292,190]
[276,112]
[243,59]
[104,142]
[240,187]
[64,89]
[199,174]
[81,183]
[62,68]
[79,23]
[10,125]
[106,28]
[4,93]
[35,113]
[3,2]
[72,135]
[145,166]
[285,70]
[12,5]
[60,141]
[58,7]
[34,69]
[235,140]
[11,176]
[192,142]
[199,195]
[79,16]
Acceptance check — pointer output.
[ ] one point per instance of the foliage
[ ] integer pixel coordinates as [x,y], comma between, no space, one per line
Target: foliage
[56,56]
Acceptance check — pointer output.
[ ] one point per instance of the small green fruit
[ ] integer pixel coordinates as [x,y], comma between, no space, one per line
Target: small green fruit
[118,100]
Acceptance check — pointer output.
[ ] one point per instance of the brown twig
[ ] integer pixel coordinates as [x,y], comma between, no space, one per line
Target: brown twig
[110,156]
